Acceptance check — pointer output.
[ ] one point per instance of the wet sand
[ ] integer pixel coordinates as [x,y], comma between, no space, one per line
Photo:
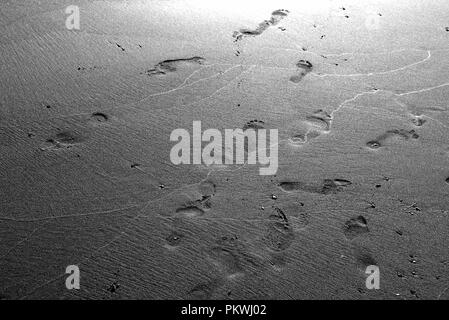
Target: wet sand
[357,91]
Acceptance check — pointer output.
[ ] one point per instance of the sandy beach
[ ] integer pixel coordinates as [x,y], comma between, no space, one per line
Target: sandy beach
[357,92]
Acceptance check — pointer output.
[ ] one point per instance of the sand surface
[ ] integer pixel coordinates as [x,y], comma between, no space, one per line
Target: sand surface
[86,178]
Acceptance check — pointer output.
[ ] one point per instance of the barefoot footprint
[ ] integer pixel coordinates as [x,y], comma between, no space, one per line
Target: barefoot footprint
[327,186]
[355,227]
[304,67]
[389,135]
[276,17]
[168,66]
[64,140]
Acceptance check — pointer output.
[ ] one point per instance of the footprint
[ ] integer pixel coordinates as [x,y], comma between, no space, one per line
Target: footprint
[333,186]
[99,117]
[167,66]
[297,77]
[301,221]
[312,134]
[418,121]
[401,133]
[254,124]
[277,261]
[309,127]
[292,186]
[299,218]
[279,14]
[202,195]
[231,257]
[205,203]
[355,227]
[392,134]
[363,258]
[279,235]
[317,123]
[320,120]
[207,188]
[298,138]
[304,67]
[277,215]
[373,144]
[276,17]
[204,291]
[227,261]
[4,297]
[304,64]
[190,212]
[327,186]
[64,139]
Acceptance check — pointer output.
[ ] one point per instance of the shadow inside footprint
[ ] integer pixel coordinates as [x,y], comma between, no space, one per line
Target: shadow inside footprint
[99,117]
[342,182]
[355,227]
[294,186]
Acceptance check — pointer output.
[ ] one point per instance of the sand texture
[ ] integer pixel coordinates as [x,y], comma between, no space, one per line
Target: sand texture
[362,111]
